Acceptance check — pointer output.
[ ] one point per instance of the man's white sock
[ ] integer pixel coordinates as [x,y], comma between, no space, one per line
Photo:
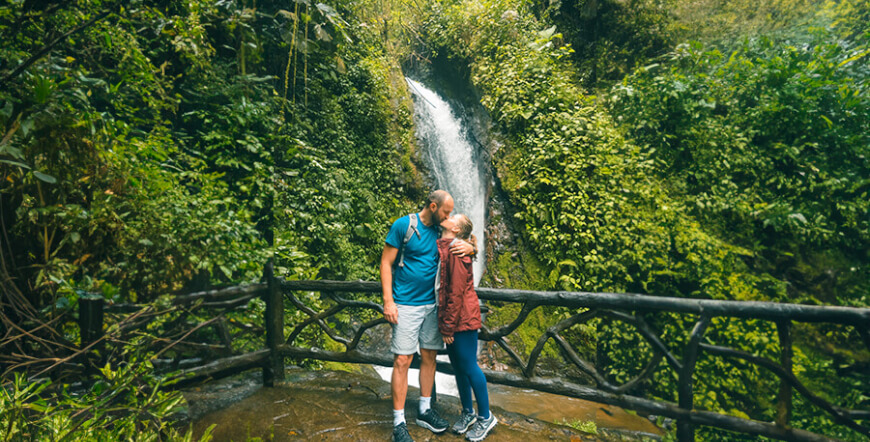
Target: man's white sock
[424,404]
[398,417]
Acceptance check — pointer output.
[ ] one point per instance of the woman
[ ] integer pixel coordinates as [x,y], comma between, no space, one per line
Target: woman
[459,320]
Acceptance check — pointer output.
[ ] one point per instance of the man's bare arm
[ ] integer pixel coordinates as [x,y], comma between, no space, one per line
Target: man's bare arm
[463,248]
[388,257]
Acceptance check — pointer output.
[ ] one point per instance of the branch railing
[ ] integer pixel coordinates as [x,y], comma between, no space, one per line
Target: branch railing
[340,300]
[627,308]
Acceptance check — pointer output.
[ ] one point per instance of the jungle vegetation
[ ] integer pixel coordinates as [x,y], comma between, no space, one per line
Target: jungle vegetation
[714,149]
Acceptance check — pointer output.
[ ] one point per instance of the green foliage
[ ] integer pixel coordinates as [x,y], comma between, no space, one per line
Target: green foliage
[724,22]
[124,404]
[611,37]
[340,191]
[767,147]
[850,18]
[590,202]
[521,271]
[127,201]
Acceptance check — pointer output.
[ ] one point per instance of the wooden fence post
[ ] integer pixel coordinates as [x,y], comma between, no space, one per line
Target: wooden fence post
[784,403]
[273,370]
[90,318]
[685,428]
[90,326]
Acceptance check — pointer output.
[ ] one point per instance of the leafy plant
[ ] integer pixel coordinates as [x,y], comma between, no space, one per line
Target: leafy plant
[117,407]
[580,425]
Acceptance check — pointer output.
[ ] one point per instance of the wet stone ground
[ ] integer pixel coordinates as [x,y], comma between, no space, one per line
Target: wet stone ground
[329,405]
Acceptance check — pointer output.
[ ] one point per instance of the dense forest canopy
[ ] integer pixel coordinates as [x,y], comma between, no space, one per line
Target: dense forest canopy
[712,149]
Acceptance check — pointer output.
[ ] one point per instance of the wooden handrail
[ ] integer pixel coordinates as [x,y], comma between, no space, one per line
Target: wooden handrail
[223,294]
[629,301]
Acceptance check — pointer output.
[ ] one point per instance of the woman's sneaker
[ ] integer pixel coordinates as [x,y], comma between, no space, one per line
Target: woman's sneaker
[465,421]
[432,421]
[481,428]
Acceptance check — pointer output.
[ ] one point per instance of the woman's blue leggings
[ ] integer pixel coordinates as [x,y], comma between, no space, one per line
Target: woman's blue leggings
[463,357]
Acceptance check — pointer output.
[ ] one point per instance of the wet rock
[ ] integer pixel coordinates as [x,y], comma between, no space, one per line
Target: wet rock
[320,405]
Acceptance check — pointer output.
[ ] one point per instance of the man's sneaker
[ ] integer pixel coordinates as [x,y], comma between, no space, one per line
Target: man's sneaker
[432,421]
[481,428]
[465,421]
[400,433]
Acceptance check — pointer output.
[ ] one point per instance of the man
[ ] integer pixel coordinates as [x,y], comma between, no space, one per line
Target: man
[409,305]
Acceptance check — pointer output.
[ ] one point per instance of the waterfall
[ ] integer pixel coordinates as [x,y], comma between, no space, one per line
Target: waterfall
[453,160]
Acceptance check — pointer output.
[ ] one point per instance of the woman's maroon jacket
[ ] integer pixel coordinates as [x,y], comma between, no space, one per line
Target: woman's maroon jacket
[458,307]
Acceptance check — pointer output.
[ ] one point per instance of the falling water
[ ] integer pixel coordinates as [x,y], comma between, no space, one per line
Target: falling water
[453,160]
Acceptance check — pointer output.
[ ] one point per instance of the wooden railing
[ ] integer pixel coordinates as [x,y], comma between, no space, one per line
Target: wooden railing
[619,307]
[337,297]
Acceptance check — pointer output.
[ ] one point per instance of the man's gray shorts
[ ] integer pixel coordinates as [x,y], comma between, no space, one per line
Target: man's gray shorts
[418,325]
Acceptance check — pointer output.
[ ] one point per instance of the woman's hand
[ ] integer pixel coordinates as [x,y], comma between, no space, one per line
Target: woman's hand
[447,339]
[462,248]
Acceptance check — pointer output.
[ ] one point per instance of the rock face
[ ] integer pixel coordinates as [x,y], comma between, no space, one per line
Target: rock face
[318,405]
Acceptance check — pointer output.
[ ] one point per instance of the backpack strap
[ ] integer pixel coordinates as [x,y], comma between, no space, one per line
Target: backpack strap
[412,229]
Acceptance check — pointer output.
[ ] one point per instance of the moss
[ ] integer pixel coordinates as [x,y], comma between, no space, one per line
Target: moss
[395,99]
[342,366]
[580,425]
[516,270]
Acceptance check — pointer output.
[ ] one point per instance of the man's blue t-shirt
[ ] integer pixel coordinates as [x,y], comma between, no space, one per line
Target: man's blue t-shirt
[414,284]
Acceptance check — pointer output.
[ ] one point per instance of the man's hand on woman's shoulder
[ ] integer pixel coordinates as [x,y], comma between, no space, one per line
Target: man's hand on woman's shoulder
[463,248]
